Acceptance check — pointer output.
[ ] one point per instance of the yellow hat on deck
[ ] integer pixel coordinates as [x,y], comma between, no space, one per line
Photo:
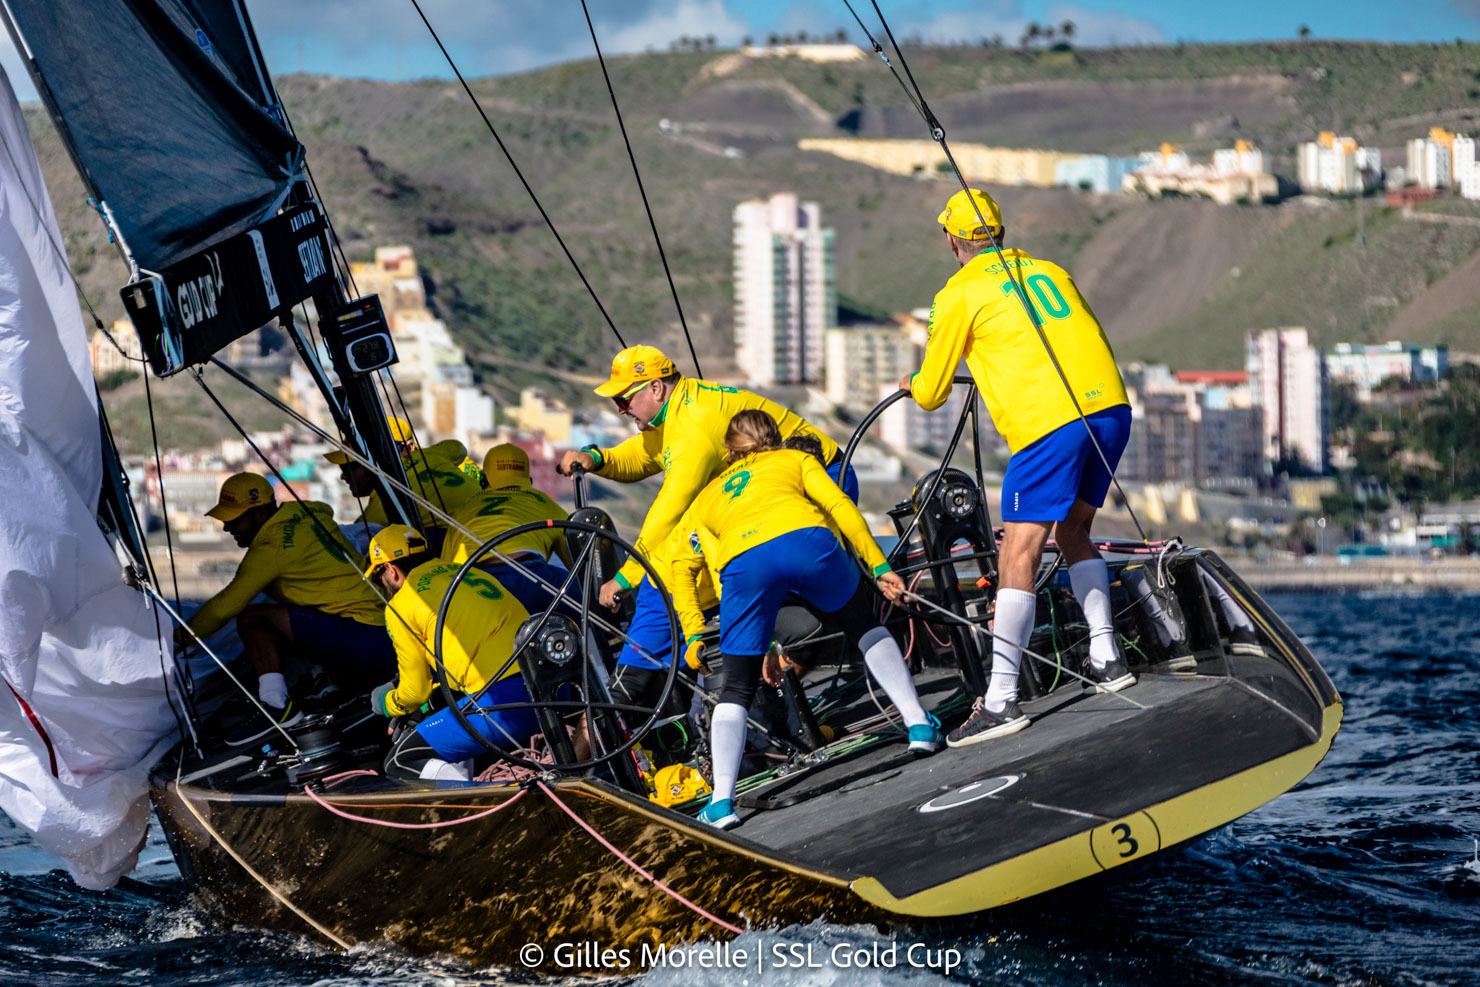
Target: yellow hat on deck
[400,428]
[634,365]
[506,465]
[394,541]
[239,494]
[961,220]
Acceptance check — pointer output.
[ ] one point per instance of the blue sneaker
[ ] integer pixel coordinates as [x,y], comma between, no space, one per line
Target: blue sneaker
[926,737]
[720,815]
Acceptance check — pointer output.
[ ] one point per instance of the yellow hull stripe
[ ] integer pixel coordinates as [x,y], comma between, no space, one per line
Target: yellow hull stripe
[1113,843]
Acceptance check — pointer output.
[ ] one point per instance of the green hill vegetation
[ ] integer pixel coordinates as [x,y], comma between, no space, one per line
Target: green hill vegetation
[1173,280]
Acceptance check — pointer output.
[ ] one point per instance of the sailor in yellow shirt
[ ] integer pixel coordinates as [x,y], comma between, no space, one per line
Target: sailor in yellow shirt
[477,655]
[1061,464]
[682,424]
[442,474]
[772,516]
[326,613]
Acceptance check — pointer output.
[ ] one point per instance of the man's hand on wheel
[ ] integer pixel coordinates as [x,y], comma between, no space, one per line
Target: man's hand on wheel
[610,594]
[576,457]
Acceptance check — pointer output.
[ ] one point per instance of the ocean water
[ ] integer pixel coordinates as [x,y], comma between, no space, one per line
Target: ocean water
[1366,874]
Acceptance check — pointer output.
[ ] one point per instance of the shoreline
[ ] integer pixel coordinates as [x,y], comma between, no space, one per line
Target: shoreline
[1360,575]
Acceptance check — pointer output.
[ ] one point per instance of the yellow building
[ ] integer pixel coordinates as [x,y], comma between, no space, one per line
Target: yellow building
[980,163]
[538,413]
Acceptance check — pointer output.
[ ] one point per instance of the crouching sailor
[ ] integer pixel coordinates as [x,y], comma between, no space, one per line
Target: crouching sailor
[769,514]
[477,657]
[326,613]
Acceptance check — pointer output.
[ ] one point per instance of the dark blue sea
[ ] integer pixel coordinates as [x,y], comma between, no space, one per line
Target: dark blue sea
[1366,874]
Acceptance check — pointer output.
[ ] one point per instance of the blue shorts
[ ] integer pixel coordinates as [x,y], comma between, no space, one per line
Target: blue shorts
[809,562]
[507,728]
[649,627]
[649,630]
[1045,478]
[354,655]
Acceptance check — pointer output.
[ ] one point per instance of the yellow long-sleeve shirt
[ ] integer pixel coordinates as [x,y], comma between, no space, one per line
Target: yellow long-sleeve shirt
[441,474]
[493,511]
[684,562]
[295,561]
[477,639]
[977,316]
[688,446]
[767,495]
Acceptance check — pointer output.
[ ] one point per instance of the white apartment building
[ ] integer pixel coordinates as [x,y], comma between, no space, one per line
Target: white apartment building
[785,290]
[861,361]
[1338,165]
[1367,366]
[1431,159]
[1287,381]
[1191,426]
[1241,159]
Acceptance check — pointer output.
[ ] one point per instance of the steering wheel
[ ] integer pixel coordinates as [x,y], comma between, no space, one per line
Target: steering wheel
[937,477]
[582,574]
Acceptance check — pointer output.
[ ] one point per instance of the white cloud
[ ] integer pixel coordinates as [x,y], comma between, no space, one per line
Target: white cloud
[674,19]
[1105,27]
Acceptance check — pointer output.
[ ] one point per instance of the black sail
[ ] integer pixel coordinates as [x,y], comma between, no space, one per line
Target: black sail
[168,113]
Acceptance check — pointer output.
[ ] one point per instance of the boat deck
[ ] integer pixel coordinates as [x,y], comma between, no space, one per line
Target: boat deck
[1084,762]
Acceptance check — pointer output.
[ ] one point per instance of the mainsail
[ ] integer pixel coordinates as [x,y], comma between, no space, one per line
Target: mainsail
[83,710]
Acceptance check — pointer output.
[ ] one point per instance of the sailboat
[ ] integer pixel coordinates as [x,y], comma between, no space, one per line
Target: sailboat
[186,147]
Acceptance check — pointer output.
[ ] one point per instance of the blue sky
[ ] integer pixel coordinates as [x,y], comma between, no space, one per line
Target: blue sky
[384,39]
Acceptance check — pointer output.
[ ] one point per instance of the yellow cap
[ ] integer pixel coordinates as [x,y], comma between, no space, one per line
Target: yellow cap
[239,494]
[634,365]
[506,465]
[400,428]
[394,541]
[961,220]
[677,784]
[338,457]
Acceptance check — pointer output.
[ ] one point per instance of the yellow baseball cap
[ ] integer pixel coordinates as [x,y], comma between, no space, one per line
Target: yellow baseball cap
[400,432]
[240,493]
[506,465]
[961,220]
[634,365]
[394,541]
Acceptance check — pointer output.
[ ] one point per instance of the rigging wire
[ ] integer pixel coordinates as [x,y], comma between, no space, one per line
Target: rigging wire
[519,174]
[938,134]
[601,59]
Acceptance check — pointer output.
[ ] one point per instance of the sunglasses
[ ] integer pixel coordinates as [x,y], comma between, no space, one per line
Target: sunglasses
[624,401]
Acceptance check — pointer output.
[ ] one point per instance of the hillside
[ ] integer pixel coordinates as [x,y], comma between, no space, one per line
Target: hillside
[1176,280]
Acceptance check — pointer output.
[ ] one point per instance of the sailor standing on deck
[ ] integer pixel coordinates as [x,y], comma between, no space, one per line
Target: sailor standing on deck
[1056,478]
[772,517]
[682,424]
[325,612]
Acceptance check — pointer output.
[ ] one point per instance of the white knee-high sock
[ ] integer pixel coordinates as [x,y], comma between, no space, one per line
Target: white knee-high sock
[727,747]
[272,690]
[1091,582]
[1016,610]
[886,663]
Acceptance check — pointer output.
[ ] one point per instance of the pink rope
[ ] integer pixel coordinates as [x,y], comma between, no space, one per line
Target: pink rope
[396,825]
[633,864]
[348,774]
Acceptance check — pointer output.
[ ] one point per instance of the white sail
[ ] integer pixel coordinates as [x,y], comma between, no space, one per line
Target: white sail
[83,708]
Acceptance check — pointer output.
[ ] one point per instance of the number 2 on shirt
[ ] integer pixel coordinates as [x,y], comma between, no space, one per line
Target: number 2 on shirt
[735,485]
